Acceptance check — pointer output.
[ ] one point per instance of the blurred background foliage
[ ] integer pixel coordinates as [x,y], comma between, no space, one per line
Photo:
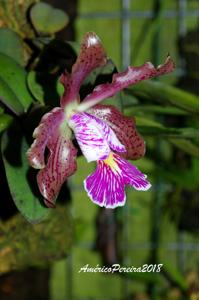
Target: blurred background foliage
[38,40]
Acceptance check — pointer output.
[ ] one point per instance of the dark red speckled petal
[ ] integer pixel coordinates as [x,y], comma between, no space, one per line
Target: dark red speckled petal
[42,133]
[54,134]
[91,56]
[60,165]
[124,128]
[122,80]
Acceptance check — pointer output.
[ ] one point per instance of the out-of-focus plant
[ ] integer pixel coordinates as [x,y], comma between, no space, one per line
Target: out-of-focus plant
[177,108]
[46,19]
[16,97]
[13,15]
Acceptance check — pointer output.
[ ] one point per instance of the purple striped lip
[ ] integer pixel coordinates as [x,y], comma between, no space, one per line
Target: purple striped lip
[106,186]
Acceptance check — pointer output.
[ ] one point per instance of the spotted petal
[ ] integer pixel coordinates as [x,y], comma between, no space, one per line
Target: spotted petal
[91,56]
[60,165]
[94,136]
[122,80]
[42,133]
[124,128]
[106,186]
[53,134]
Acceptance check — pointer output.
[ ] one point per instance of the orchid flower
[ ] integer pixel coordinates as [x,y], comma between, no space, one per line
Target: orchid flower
[104,135]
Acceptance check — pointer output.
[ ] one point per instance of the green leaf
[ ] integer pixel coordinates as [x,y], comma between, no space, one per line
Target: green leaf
[59,88]
[179,133]
[186,178]
[11,45]
[141,121]
[34,86]
[21,178]
[8,97]
[186,145]
[161,92]
[131,109]
[1,110]
[175,276]
[44,87]
[152,128]
[5,121]
[13,86]
[176,136]
[47,19]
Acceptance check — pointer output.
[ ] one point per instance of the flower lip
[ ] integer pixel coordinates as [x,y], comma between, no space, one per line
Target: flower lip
[106,186]
[102,203]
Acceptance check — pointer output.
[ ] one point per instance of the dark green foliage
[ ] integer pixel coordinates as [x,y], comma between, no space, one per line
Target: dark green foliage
[13,89]
[11,40]
[25,192]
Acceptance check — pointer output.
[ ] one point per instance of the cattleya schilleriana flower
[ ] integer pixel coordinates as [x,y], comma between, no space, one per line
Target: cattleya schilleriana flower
[104,135]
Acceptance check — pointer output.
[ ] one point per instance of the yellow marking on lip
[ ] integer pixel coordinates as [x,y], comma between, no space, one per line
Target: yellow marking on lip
[112,163]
